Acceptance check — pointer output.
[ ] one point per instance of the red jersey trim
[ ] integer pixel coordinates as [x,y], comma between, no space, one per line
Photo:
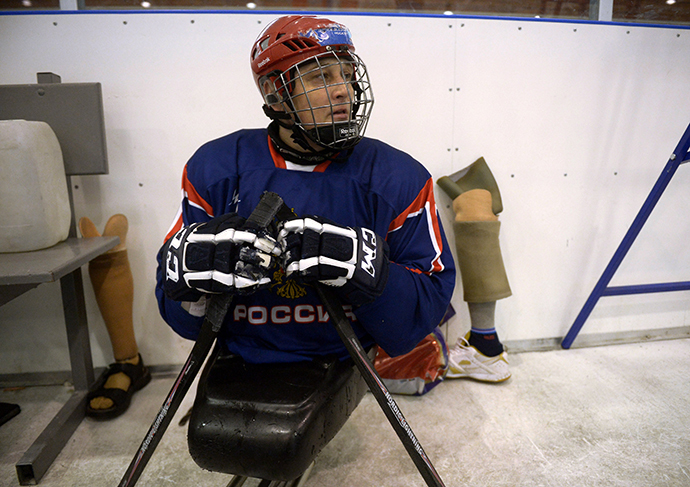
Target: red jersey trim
[193,198]
[279,160]
[425,202]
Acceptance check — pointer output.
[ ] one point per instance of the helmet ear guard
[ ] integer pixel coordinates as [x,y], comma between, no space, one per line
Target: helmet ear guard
[269,90]
[270,93]
[272,99]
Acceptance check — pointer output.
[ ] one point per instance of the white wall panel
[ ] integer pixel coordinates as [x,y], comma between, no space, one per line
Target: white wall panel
[576,121]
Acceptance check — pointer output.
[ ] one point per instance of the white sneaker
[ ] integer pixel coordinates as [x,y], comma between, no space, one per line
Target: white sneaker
[466,361]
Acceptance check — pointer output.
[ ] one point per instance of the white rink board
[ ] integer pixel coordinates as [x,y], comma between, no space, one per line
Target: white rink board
[576,120]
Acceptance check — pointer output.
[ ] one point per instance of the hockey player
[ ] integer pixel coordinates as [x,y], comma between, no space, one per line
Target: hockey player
[367,221]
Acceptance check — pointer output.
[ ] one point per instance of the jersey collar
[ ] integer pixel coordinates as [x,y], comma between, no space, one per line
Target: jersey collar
[280,162]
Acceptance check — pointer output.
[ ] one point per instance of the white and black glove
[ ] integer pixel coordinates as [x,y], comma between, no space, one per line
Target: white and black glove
[354,260]
[224,255]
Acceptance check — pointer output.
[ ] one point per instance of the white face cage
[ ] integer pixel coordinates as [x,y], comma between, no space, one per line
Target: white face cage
[328,97]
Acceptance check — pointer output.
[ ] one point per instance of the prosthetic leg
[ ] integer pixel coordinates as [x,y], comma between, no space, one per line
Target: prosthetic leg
[476,203]
[111,277]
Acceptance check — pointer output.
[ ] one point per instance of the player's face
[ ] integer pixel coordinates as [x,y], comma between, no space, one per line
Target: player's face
[325,93]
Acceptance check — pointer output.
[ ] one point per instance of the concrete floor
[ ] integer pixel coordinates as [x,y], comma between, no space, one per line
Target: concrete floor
[605,416]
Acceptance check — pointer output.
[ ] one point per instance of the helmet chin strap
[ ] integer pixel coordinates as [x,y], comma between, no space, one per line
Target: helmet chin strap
[328,135]
[309,157]
[297,134]
[298,137]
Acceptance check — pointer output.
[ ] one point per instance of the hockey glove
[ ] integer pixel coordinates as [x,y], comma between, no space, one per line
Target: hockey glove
[223,255]
[354,260]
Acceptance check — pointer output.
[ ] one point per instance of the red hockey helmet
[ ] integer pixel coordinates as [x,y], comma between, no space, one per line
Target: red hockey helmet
[275,58]
[288,41]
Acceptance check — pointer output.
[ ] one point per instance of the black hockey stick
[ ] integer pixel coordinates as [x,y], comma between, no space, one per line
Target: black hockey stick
[261,217]
[390,408]
[377,387]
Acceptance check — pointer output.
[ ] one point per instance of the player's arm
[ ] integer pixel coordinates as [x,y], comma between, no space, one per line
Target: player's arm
[421,278]
[399,293]
[200,200]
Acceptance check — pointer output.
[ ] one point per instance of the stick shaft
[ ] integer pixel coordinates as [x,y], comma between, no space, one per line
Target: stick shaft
[184,380]
[261,217]
[378,388]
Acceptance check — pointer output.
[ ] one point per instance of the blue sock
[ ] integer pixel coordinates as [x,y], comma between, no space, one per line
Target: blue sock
[486,341]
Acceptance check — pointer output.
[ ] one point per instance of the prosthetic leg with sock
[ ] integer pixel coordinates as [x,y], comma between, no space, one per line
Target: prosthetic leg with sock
[483,334]
[480,354]
[113,286]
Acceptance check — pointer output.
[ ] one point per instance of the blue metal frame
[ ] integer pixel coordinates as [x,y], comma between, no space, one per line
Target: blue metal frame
[680,155]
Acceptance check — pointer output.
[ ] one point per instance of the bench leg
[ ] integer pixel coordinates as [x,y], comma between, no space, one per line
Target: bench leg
[40,456]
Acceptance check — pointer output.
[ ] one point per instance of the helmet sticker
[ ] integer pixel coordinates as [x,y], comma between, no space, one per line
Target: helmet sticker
[329,36]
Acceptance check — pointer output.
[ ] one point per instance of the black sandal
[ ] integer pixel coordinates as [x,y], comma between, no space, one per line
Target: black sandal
[139,376]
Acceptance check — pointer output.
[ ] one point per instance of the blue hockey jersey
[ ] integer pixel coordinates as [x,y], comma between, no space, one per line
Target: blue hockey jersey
[377,187]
